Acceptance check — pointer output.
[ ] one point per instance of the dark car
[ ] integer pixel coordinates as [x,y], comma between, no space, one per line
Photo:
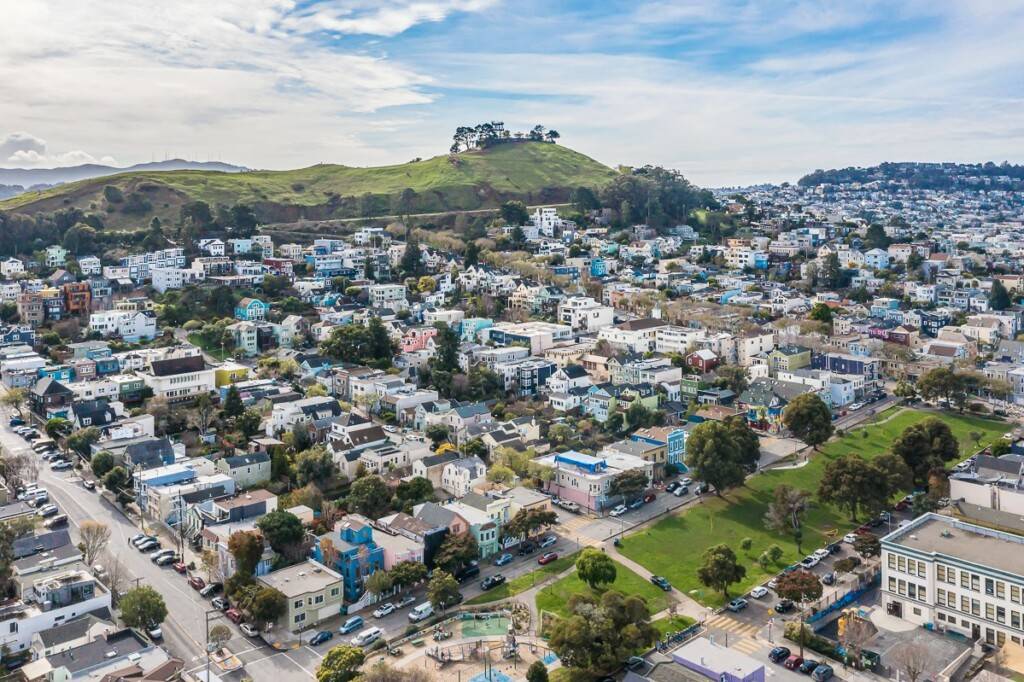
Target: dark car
[784,606]
[635,663]
[778,654]
[661,582]
[452,601]
[702,488]
[902,505]
[211,589]
[636,504]
[808,666]
[528,547]
[196,583]
[321,637]
[470,570]
[671,487]
[828,579]
[650,497]
[793,662]
[492,581]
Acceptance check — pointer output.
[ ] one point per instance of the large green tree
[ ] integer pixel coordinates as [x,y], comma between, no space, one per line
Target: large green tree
[341,664]
[457,550]
[281,529]
[999,297]
[719,569]
[369,496]
[595,568]
[800,586]
[143,608]
[809,419]
[855,484]
[528,521]
[715,456]
[598,635]
[926,445]
[442,589]
[246,548]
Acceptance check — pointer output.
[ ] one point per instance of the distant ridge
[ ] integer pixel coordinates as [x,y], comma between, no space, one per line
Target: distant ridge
[35,178]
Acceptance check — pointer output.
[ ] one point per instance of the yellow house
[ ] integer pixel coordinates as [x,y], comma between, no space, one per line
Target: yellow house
[229,373]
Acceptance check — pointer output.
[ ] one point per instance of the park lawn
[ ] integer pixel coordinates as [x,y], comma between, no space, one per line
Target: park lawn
[555,597]
[674,546]
[524,582]
[672,624]
[215,351]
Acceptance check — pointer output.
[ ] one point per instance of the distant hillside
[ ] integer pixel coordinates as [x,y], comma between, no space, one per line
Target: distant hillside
[34,178]
[946,176]
[535,172]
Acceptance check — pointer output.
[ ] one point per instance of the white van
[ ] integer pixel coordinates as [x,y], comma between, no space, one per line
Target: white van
[367,636]
[38,496]
[424,610]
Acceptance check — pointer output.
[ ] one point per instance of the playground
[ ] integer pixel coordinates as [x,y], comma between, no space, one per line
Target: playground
[502,658]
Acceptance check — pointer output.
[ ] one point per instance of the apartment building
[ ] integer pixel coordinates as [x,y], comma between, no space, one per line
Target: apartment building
[314,593]
[585,314]
[953,575]
[140,265]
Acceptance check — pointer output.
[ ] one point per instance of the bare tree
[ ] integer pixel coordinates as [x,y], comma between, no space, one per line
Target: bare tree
[855,635]
[219,635]
[382,672]
[211,564]
[911,659]
[116,576]
[95,538]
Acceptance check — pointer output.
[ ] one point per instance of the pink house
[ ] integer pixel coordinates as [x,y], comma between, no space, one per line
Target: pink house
[416,339]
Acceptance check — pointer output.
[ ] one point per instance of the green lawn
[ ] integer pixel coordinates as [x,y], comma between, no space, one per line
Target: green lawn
[673,547]
[214,351]
[525,581]
[554,597]
[672,624]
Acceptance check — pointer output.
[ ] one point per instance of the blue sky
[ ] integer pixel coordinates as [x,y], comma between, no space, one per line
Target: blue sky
[728,92]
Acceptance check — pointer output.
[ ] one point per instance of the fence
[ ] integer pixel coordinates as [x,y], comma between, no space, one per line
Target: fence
[822,611]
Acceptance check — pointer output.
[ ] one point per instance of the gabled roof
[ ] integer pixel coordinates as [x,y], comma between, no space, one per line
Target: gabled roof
[50,386]
[247,459]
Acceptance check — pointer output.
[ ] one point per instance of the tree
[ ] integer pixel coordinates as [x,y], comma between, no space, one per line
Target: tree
[847,482]
[341,664]
[471,256]
[832,273]
[379,582]
[407,573]
[719,569]
[220,635]
[204,408]
[732,377]
[57,427]
[457,550]
[905,390]
[595,568]
[529,520]
[925,446]
[315,465]
[281,529]
[628,484]
[414,491]
[411,264]
[799,586]
[143,608]
[714,456]
[249,423]
[369,496]
[583,200]
[786,512]
[598,635]
[944,383]
[821,313]
[774,553]
[81,440]
[514,213]
[95,536]
[867,545]
[233,406]
[998,299]
[809,419]
[116,479]
[537,672]
[268,605]
[911,658]
[246,548]
[15,399]
[442,589]
[101,463]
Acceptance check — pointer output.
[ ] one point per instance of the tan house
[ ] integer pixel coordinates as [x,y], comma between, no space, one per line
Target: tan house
[314,593]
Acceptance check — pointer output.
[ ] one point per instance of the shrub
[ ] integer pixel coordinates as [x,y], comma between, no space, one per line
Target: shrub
[848,564]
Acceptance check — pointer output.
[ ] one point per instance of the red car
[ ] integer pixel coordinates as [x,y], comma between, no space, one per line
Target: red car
[196,583]
[649,497]
[902,505]
[547,558]
[793,662]
[234,615]
[180,567]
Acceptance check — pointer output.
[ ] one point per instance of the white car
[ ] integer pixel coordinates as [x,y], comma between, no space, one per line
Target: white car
[850,538]
[810,561]
[618,511]
[821,553]
[686,480]
[759,592]
[248,630]
[384,610]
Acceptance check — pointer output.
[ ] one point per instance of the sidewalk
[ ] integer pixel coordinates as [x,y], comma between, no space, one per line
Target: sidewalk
[686,605]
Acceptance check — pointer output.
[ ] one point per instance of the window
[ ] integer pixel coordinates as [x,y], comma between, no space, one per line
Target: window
[892,583]
[1015,619]
[990,612]
[1000,614]
[990,586]
[975,582]
[975,607]
[892,561]
[901,564]
[319,599]
[965,604]
[1015,593]
[1001,589]
[298,604]
[965,580]
[940,573]
[300,617]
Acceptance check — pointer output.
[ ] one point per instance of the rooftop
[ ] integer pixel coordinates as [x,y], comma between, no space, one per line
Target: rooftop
[300,579]
[943,536]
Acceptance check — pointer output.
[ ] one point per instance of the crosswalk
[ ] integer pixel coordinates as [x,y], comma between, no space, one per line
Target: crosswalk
[733,627]
[576,523]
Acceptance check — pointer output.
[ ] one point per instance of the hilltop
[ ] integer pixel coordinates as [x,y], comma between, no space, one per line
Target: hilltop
[535,172]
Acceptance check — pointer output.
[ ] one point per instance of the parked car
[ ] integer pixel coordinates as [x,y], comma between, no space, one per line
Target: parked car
[650,497]
[850,538]
[619,510]
[661,582]
[778,654]
[702,488]
[89,484]
[822,673]
[220,603]
[470,570]
[527,547]
[320,637]
[682,491]
[405,601]
[211,589]
[234,615]
[61,465]
[47,510]
[828,579]
[821,553]
[569,505]
[385,609]
[737,605]
[759,592]
[196,583]
[154,632]
[808,666]
[635,663]
[180,567]
[548,541]
[148,545]
[547,558]
[167,560]
[139,539]
[810,561]
[671,487]
[784,606]
[793,662]
[248,630]
[492,581]
[16,421]
[160,553]
[505,558]
[351,625]
[636,504]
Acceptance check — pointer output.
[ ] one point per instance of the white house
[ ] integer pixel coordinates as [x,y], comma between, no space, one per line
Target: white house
[131,326]
[583,313]
[180,378]
[12,267]
[175,278]
[460,476]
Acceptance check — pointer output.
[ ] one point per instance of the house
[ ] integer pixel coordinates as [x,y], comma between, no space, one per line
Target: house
[764,401]
[672,438]
[585,314]
[351,550]
[585,479]
[568,378]
[11,268]
[460,476]
[388,296]
[180,378]
[247,471]
[97,413]
[703,360]
[30,309]
[286,415]
[313,591]
[789,357]
[251,309]
[49,398]
[432,467]
[55,256]
[636,336]
[132,326]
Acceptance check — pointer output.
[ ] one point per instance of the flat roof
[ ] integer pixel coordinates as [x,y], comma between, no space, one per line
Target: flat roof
[309,576]
[944,536]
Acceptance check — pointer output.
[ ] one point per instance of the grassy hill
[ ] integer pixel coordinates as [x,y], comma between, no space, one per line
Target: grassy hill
[534,172]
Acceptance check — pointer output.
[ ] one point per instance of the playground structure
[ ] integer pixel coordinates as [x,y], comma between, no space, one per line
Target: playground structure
[499,659]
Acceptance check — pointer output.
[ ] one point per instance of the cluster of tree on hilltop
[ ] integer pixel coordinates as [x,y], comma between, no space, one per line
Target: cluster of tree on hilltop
[920,175]
[484,135]
[651,195]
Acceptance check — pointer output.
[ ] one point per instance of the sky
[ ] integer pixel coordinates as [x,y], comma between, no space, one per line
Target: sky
[729,92]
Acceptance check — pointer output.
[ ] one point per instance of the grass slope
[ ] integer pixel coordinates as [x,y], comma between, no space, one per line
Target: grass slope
[483,178]
[673,547]
[555,597]
[524,582]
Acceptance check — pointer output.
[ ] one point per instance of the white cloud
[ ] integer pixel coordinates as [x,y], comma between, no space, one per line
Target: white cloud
[26,150]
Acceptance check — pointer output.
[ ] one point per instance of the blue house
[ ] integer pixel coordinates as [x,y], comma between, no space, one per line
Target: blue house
[672,437]
[16,334]
[251,310]
[351,551]
[106,366]
[471,326]
[62,373]
[598,268]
